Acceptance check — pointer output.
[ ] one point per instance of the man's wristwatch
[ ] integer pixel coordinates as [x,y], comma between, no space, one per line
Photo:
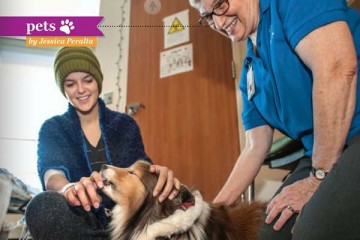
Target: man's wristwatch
[319,174]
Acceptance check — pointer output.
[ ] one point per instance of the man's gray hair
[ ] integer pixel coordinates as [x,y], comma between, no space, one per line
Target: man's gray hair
[195,3]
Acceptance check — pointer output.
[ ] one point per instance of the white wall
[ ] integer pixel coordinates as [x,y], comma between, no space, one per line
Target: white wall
[115,12]
[49,8]
[28,93]
[28,96]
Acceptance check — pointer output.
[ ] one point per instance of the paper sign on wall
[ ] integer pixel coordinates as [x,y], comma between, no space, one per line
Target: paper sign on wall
[176,60]
[176,30]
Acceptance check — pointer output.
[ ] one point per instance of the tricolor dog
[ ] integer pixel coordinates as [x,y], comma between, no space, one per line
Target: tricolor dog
[139,216]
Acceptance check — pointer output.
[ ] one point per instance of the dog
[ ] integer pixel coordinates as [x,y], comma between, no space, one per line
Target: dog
[138,215]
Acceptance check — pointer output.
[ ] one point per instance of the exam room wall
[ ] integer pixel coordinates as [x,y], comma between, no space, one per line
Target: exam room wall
[28,93]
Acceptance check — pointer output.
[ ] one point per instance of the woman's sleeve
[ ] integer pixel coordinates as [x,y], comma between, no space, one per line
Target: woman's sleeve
[49,150]
[250,115]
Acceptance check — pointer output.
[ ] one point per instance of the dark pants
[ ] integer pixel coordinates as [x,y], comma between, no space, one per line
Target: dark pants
[49,216]
[333,213]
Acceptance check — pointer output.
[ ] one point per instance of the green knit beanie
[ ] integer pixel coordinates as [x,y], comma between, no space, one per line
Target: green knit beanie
[76,59]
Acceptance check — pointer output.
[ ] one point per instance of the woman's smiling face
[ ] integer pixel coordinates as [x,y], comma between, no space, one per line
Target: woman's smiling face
[82,91]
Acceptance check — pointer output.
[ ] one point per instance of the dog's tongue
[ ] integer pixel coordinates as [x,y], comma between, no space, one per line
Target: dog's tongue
[188,203]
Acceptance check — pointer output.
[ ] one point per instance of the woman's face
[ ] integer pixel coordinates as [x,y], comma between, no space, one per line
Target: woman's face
[81,89]
[238,22]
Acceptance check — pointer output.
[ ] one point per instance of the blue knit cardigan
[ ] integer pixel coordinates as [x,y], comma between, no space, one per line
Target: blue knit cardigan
[62,143]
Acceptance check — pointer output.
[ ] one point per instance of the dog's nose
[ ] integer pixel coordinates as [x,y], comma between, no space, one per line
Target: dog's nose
[104,166]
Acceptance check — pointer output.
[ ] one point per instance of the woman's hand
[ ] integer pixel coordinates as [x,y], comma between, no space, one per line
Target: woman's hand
[166,181]
[84,192]
[291,200]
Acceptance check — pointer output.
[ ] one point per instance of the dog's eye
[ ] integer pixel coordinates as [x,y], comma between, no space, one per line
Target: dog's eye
[107,182]
[132,172]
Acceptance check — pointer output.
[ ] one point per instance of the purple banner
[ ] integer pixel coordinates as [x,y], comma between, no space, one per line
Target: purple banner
[50,26]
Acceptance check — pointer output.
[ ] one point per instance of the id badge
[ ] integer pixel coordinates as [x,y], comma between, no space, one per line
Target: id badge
[250,83]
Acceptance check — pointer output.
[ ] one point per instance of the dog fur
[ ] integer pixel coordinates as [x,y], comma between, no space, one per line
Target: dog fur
[139,216]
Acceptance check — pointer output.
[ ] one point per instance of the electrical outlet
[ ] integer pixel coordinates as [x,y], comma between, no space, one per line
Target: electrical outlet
[108,98]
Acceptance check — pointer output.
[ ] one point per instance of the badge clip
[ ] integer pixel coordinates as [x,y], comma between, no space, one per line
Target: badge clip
[250,83]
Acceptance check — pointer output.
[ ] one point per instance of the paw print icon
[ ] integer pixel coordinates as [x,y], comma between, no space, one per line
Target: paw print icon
[67,26]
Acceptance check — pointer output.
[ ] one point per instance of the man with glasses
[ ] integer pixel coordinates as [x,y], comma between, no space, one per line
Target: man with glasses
[299,76]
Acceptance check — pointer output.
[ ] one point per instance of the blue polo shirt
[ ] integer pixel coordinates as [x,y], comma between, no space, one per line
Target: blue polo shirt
[283,84]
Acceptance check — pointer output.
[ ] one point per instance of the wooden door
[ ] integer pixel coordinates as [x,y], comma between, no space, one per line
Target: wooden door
[355,4]
[190,121]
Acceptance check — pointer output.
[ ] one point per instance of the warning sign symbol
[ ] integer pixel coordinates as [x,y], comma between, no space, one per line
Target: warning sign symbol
[176,26]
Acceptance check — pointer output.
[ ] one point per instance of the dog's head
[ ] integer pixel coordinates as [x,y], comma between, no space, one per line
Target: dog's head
[124,185]
[133,187]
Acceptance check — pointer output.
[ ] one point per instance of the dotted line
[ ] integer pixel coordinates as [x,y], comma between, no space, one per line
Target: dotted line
[147,26]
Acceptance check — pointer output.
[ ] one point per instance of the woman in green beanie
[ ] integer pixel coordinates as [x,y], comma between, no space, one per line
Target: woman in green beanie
[73,146]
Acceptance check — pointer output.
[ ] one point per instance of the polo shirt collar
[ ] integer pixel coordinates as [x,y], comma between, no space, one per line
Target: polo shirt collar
[264,5]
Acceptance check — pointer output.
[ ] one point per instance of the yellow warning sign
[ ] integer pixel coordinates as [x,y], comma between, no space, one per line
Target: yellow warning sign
[176,26]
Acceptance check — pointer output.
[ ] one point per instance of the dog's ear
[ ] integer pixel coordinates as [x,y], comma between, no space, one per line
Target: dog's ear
[149,179]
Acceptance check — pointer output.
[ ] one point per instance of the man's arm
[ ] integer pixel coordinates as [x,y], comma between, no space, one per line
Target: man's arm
[330,54]
[257,146]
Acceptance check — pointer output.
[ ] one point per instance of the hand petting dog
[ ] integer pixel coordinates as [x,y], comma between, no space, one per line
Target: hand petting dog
[166,181]
[83,193]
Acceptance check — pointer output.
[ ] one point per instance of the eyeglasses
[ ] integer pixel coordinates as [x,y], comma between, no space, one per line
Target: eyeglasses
[219,9]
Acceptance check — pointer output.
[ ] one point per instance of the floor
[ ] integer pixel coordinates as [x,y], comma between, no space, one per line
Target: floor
[15,225]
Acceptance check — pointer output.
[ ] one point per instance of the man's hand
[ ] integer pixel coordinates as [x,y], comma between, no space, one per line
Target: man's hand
[290,200]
